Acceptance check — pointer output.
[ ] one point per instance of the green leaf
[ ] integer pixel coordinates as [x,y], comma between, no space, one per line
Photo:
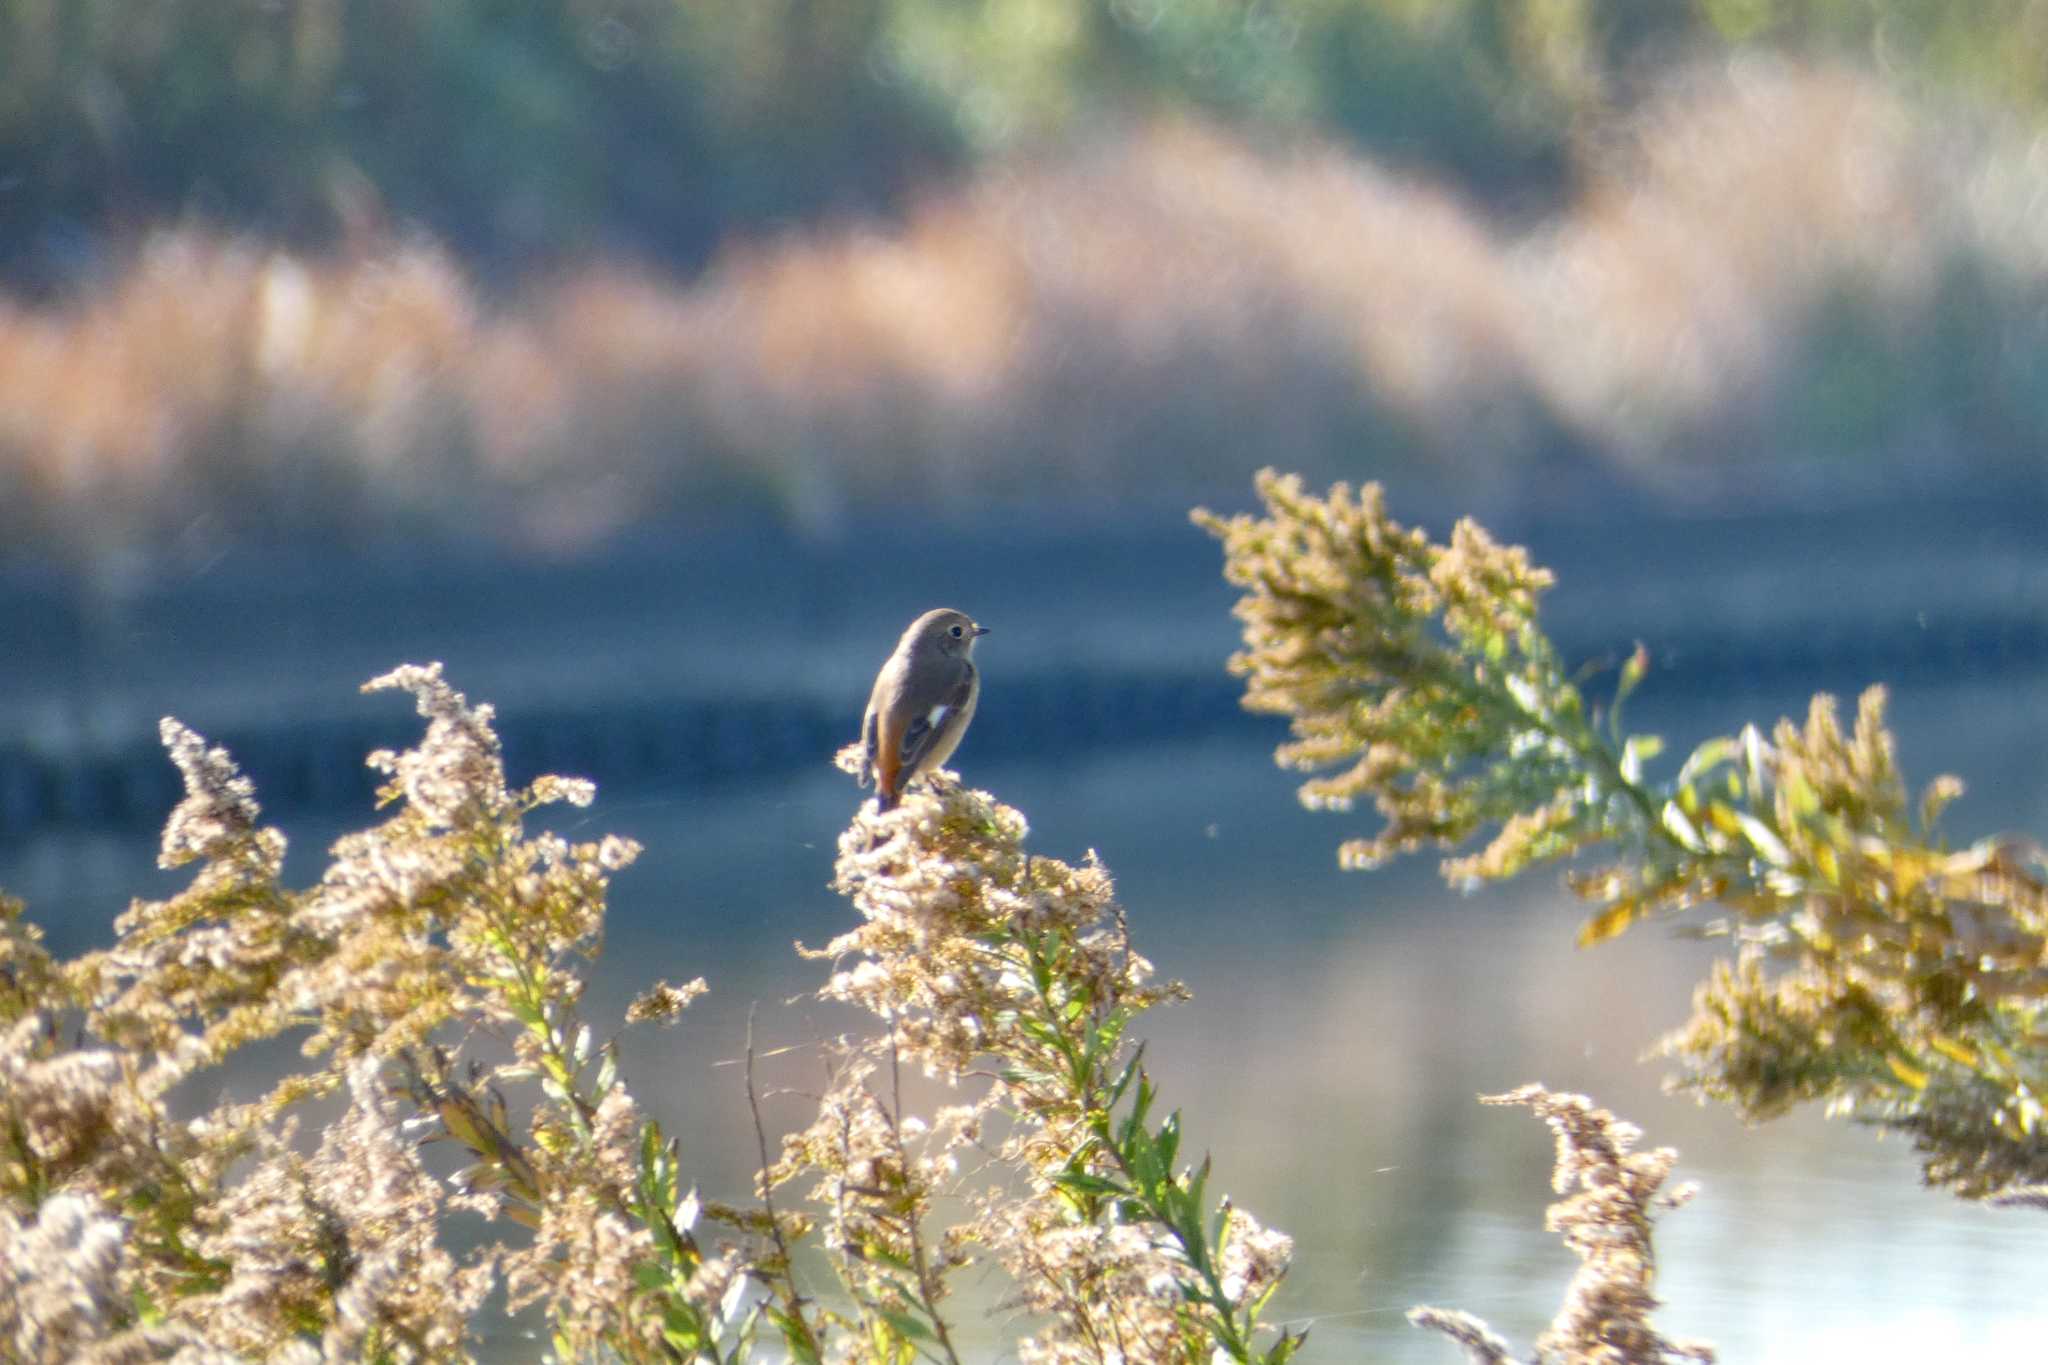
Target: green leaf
[1800,796]
[795,1337]
[1956,1051]
[1143,1159]
[483,1176]
[1764,840]
[1124,1079]
[877,1254]
[1907,1072]
[1524,694]
[650,1147]
[1633,672]
[1828,863]
[1169,1139]
[1037,1030]
[1089,1183]
[1611,921]
[1027,1077]
[1681,828]
[904,1325]
[1041,968]
[1711,754]
[1141,1107]
[1284,1349]
[684,1330]
[1753,750]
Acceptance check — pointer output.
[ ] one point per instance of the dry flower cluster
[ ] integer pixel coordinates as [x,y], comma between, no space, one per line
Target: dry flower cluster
[142,1233]
[1012,976]
[431,979]
[1605,1319]
[1876,968]
[1448,732]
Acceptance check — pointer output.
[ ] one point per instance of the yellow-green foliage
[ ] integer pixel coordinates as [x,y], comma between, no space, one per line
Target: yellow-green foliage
[1415,667]
[535,128]
[1875,967]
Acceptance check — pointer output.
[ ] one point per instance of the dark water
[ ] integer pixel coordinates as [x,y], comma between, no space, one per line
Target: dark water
[1341,1027]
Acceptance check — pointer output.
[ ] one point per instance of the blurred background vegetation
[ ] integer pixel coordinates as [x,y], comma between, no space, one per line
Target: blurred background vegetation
[555,267]
[527,131]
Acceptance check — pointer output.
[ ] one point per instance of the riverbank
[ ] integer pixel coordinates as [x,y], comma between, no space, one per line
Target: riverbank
[749,652]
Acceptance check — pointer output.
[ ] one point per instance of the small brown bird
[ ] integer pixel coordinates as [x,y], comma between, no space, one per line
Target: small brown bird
[923,698]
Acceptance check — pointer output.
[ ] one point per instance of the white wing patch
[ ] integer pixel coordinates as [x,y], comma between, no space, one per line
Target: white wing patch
[937,715]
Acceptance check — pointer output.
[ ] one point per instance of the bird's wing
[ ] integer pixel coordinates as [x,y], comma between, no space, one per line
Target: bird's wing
[930,722]
[868,743]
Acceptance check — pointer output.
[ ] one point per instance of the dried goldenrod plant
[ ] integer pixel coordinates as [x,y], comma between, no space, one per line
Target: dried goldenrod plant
[429,972]
[432,978]
[1876,968]
[1012,977]
[1614,1194]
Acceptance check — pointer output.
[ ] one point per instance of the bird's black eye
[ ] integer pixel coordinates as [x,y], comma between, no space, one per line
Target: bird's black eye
[956,632]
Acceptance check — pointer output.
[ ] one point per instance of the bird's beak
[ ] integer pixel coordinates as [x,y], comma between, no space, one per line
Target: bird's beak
[981,630]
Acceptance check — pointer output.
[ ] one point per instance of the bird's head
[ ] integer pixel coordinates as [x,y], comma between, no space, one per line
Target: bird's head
[945,632]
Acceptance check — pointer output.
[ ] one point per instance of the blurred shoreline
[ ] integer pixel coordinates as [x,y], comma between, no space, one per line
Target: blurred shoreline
[711,658]
[1779,283]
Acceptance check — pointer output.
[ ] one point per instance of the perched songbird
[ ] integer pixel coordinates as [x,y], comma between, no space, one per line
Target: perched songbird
[923,698]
